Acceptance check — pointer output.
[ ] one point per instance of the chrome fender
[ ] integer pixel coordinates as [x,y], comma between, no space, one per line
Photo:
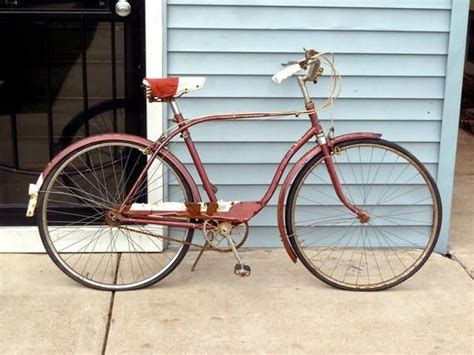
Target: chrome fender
[291,176]
[35,188]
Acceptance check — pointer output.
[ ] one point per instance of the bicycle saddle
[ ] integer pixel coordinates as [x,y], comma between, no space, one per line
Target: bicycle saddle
[167,88]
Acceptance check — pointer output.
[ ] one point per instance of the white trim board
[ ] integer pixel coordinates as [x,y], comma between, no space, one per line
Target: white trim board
[154,44]
[20,240]
[27,240]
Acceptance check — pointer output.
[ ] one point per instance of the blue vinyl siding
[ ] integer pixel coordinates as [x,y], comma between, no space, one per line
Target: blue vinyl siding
[393,56]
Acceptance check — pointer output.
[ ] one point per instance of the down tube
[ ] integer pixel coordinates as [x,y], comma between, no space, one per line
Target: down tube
[284,162]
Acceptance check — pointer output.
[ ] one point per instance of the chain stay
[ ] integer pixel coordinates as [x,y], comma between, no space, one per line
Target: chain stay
[206,246]
[170,239]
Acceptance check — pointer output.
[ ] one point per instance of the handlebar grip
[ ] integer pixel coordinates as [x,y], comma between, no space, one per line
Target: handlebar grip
[286,73]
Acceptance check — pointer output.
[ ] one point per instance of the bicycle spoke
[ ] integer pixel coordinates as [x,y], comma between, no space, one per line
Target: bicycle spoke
[381,252]
[85,242]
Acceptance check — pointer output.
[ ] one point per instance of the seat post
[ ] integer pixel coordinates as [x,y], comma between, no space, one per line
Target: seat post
[178,117]
[208,186]
[174,107]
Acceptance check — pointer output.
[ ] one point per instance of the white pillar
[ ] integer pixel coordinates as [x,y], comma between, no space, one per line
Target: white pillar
[155,54]
[155,62]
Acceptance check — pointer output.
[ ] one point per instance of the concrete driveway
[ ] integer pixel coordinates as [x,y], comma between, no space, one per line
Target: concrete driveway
[281,308]
[461,234]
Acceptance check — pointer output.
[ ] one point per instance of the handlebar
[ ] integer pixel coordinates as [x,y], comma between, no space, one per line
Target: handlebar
[312,62]
[286,73]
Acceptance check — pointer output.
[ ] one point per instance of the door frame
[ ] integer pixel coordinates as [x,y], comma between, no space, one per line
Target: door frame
[26,239]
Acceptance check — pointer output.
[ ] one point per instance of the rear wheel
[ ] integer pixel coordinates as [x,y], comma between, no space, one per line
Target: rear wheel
[398,194]
[80,239]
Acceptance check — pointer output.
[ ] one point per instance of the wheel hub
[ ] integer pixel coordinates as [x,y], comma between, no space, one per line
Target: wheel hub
[363,217]
[112,219]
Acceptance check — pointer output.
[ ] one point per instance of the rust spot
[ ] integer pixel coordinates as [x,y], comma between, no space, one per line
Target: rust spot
[193,209]
[211,208]
[363,217]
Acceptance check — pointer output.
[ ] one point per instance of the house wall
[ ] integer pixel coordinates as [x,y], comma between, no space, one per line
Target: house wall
[401,62]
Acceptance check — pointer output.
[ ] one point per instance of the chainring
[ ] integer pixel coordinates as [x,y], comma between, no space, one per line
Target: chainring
[213,234]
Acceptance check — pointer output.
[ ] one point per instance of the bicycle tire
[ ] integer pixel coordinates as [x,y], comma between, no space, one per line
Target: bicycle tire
[375,232]
[82,224]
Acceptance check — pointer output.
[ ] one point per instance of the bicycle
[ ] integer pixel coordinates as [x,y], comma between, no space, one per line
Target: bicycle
[118,212]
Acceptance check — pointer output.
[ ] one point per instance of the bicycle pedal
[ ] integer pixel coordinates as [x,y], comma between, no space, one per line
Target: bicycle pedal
[242,270]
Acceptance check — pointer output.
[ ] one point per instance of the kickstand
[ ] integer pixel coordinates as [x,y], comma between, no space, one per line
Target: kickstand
[204,247]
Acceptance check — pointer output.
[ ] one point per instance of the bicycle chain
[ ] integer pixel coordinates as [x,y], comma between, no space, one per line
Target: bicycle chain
[171,239]
[206,246]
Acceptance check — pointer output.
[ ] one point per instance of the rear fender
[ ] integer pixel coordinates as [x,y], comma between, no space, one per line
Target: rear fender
[291,176]
[35,188]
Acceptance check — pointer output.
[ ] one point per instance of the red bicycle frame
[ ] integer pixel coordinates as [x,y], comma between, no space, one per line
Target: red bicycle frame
[242,211]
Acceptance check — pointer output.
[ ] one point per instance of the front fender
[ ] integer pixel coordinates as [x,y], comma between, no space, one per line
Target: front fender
[292,174]
[35,188]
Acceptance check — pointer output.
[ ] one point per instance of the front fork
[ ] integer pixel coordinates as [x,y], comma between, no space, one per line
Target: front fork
[331,167]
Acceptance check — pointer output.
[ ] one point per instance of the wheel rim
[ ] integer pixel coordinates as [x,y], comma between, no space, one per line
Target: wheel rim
[100,254]
[400,200]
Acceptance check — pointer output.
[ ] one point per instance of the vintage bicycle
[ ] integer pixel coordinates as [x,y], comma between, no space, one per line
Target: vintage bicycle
[118,212]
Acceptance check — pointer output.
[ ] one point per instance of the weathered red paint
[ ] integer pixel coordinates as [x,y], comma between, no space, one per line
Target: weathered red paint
[284,163]
[242,211]
[183,127]
[329,161]
[163,88]
[246,210]
[294,171]
[239,213]
[196,159]
[158,221]
[233,116]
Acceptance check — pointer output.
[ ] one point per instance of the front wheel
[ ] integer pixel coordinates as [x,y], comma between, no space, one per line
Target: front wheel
[88,246]
[396,191]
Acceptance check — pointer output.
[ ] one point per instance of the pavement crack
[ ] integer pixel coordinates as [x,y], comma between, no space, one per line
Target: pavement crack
[111,309]
[455,259]
[109,321]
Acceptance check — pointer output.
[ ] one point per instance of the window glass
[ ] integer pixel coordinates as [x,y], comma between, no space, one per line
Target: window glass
[54,5]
